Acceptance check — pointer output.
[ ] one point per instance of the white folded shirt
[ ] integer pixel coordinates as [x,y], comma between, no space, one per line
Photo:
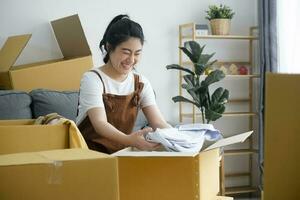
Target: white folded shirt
[184,138]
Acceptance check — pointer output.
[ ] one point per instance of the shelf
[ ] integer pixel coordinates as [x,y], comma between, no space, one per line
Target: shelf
[235,76]
[238,100]
[227,114]
[220,63]
[242,76]
[240,190]
[232,37]
[236,152]
[239,114]
[188,32]
[232,175]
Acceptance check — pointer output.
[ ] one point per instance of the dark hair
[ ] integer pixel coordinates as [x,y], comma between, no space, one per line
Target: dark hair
[119,30]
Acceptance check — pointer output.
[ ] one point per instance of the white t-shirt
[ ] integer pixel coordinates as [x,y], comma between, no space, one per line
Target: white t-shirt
[91,90]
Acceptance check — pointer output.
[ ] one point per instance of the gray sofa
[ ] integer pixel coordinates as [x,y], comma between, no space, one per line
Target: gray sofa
[22,105]
[39,102]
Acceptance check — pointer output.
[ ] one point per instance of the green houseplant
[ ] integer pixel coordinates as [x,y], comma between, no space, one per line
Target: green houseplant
[219,18]
[211,105]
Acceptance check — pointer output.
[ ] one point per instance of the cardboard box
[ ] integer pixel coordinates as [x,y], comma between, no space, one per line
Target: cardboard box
[61,173]
[59,74]
[18,136]
[281,137]
[171,175]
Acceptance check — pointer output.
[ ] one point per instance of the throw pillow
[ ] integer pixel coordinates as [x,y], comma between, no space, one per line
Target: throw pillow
[48,101]
[14,105]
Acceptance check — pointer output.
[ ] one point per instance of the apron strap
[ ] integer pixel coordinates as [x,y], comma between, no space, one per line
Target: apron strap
[100,79]
[138,86]
[136,82]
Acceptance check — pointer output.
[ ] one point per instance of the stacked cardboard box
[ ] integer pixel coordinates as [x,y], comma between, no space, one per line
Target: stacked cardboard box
[58,74]
[36,162]
[48,169]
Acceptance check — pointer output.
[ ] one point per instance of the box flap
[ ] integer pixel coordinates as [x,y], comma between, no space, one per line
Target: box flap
[73,154]
[130,152]
[230,140]
[70,37]
[22,159]
[53,156]
[11,50]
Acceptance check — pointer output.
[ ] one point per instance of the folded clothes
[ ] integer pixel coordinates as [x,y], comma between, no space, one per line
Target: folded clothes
[184,138]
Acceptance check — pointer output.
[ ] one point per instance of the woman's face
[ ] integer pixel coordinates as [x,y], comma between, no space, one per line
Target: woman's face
[126,55]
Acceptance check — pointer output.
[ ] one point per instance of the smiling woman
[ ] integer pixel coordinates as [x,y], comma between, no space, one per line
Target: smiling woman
[123,59]
[111,95]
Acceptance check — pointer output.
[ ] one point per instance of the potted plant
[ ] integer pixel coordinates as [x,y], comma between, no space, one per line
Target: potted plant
[219,18]
[211,105]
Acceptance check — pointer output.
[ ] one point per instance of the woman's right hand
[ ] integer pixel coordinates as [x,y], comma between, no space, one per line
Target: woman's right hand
[137,140]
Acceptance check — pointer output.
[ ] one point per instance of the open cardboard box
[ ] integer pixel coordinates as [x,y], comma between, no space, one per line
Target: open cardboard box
[172,175]
[52,162]
[59,74]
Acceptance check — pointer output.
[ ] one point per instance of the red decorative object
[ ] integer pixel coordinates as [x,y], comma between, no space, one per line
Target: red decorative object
[243,70]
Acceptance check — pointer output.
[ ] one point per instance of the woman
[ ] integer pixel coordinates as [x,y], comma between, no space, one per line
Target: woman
[111,95]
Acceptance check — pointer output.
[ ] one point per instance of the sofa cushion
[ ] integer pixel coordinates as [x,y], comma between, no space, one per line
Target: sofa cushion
[14,105]
[48,101]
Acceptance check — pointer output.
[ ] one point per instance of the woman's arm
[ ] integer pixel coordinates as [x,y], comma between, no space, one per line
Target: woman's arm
[155,118]
[98,119]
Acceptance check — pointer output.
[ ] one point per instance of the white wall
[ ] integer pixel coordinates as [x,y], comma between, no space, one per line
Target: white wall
[159,19]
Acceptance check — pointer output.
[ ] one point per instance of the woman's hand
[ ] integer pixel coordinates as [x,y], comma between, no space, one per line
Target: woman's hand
[137,140]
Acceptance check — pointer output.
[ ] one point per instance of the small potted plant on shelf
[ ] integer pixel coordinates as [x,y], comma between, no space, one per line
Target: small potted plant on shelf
[219,18]
[211,106]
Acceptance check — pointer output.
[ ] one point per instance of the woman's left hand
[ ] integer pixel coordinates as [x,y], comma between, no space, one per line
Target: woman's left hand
[137,140]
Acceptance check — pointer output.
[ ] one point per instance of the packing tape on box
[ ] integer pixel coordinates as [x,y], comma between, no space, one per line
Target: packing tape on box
[55,176]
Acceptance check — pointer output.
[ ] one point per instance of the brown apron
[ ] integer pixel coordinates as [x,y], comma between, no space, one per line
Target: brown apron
[121,112]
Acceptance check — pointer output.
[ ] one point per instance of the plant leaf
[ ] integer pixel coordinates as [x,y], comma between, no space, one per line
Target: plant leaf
[178,67]
[225,96]
[220,96]
[192,50]
[211,115]
[200,89]
[187,86]
[199,68]
[213,77]
[183,99]
[189,79]
[191,90]
[218,108]
[211,63]
[204,58]
[189,54]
